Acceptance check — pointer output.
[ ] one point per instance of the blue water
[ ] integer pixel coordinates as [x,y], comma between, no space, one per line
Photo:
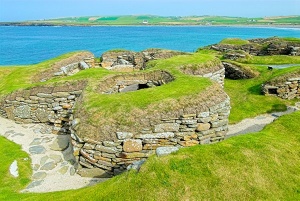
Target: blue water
[29,45]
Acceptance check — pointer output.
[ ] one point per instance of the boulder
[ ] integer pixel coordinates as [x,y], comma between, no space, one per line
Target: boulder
[93,173]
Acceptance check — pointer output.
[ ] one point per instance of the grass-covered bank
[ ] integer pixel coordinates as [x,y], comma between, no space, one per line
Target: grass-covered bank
[10,185]
[257,166]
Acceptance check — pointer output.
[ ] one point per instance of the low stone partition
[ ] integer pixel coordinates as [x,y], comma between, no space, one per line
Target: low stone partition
[213,70]
[133,82]
[286,89]
[52,105]
[235,72]
[124,60]
[66,67]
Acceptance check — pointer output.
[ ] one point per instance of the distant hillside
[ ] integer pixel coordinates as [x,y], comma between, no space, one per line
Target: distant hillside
[159,20]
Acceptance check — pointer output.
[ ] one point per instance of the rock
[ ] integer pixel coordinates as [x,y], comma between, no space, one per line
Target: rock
[124,135]
[34,184]
[110,150]
[189,143]
[36,141]
[56,158]
[13,169]
[63,170]
[203,127]
[36,167]
[162,151]
[39,176]
[68,154]
[72,171]
[203,115]
[22,112]
[136,165]
[42,115]
[48,166]
[44,160]
[156,135]
[93,173]
[132,145]
[60,143]
[89,146]
[167,127]
[83,65]
[37,150]
[133,155]
[61,94]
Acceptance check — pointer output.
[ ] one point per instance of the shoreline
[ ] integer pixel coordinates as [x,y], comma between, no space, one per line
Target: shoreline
[17,24]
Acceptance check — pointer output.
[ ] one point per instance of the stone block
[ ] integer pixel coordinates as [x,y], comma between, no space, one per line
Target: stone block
[60,143]
[166,127]
[203,114]
[132,145]
[89,146]
[156,135]
[151,146]
[22,112]
[124,135]
[93,173]
[188,143]
[133,155]
[109,150]
[203,127]
[60,94]
[162,151]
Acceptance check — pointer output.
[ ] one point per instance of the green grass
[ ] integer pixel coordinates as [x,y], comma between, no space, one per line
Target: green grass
[275,59]
[234,41]
[258,166]
[20,77]
[246,98]
[10,185]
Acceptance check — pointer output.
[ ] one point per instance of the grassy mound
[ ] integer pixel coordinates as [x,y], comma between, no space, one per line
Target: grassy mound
[234,41]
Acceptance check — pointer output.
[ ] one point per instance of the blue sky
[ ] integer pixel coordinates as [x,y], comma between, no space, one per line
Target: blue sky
[18,10]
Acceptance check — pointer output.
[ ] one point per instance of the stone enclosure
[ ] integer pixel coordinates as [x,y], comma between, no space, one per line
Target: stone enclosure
[286,88]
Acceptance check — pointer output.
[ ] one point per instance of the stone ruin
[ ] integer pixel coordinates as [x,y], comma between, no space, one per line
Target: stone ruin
[134,82]
[258,47]
[127,61]
[203,121]
[66,67]
[286,87]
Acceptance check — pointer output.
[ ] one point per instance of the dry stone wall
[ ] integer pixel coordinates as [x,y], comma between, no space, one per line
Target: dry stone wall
[167,135]
[216,71]
[288,89]
[131,61]
[52,105]
[133,82]
[69,66]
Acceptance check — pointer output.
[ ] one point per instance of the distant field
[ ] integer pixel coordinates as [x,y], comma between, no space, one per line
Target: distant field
[162,20]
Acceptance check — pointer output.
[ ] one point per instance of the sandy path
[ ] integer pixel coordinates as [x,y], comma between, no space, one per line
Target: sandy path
[52,170]
[256,124]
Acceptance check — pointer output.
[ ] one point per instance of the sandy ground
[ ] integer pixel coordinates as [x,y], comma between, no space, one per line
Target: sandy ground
[60,175]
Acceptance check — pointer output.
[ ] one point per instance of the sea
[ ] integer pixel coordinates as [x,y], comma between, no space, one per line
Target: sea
[24,45]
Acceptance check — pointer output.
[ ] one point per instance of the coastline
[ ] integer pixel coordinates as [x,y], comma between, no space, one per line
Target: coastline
[7,24]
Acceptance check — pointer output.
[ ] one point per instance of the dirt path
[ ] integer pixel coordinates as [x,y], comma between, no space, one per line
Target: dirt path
[256,124]
[51,161]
